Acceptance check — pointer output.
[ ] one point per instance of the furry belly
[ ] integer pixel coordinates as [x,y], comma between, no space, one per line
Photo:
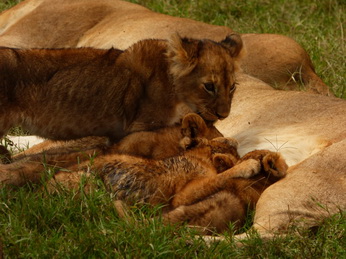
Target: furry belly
[294,144]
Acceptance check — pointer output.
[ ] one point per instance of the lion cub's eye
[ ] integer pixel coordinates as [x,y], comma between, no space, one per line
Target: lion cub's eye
[210,87]
[232,87]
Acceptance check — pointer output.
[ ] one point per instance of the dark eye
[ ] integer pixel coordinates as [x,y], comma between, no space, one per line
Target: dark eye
[232,87]
[210,87]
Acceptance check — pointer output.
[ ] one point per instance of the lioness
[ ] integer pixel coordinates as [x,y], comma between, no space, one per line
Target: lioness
[72,93]
[309,131]
[275,59]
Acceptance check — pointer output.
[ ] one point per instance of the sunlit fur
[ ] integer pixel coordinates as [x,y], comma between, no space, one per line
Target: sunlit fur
[71,93]
[208,185]
[29,165]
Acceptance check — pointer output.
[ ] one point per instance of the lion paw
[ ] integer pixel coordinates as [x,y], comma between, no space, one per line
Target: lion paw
[249,168]
[275,164]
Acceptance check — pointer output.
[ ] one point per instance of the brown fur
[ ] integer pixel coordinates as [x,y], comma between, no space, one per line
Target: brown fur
[190,185]
[72,93]
[5,155]
[312,126]
[29,165]
[156,144]
[276,59]
[309,132]
[215,202]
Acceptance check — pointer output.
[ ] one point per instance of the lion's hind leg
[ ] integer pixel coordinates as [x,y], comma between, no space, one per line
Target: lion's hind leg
[21,173]
[213,214]
[72,181]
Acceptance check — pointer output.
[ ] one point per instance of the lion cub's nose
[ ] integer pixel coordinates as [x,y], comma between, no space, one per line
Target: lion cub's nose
[222,115]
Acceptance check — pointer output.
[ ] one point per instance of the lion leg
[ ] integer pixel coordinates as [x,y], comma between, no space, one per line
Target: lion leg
[33,169]
[201,188]
[312,82]
[193,126]
[222,162]
[212,214]
[274,164]
[18,174]
[75,180]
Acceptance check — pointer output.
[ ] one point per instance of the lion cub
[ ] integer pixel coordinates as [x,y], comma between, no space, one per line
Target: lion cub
[192,186]
[213,203]
[202,182]
[29,165]
[72,93]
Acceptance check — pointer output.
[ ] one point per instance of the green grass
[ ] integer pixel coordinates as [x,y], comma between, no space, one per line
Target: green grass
[36,224]
[5,4]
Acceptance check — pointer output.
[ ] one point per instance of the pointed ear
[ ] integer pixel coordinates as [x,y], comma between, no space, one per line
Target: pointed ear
[181,54]
[234,43]
[193,126]
[222,162]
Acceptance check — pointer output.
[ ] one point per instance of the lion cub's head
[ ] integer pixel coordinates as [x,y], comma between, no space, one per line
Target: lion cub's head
[203,73]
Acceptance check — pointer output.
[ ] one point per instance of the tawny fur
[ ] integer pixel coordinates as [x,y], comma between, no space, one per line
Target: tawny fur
[215,202]
[310,125]
[309,131]
[276,59]
[306,124]
[189,185]
[73,93]
[29,165]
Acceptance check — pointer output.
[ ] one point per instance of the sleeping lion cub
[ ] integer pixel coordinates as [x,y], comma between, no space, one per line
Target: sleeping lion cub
[200,181]
[71,93]
[29,165]
[194,186]
[214,202]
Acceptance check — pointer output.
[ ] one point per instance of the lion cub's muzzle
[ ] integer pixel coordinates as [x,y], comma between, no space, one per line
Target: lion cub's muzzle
[222,110]
[222,116]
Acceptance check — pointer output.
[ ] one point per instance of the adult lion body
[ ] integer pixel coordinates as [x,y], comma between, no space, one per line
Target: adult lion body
[275,59]
[73,93]
[310,132]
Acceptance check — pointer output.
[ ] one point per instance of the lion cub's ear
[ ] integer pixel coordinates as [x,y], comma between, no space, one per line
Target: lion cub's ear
[234,43]
[193,126]
[222,162]
[182,55]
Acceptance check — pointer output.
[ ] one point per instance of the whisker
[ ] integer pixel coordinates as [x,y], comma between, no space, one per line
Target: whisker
[272,144]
